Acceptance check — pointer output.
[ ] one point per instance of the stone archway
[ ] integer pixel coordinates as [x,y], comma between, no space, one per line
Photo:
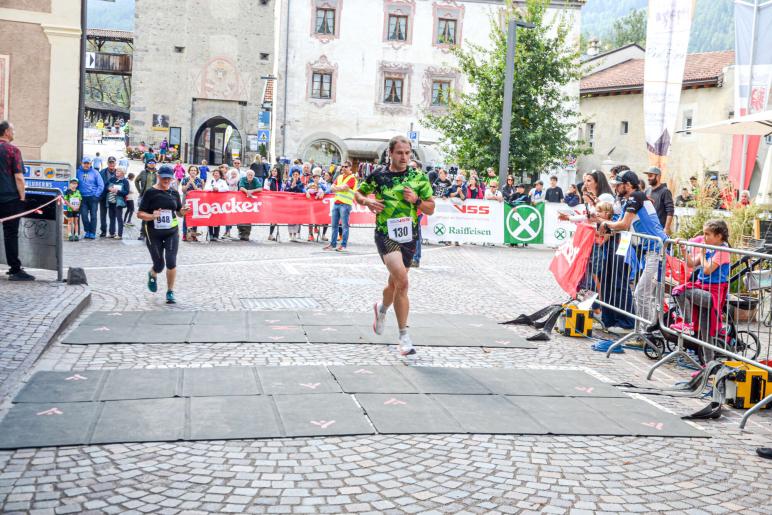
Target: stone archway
[217,140]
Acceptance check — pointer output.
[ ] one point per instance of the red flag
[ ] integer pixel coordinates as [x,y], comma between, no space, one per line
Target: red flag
[570,261]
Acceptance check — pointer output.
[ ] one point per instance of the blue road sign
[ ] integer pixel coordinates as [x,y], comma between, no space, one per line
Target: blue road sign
[413,137]
[263,136]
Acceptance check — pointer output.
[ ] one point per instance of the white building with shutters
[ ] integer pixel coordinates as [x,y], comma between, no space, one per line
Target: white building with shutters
[353,73]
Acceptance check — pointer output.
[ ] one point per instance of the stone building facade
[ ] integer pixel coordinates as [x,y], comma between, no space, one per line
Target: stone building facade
[612,105]
[201,69]
[39,75]
[353,73]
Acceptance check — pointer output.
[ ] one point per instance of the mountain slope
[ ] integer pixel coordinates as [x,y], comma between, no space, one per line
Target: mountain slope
[109,14]
[712,25]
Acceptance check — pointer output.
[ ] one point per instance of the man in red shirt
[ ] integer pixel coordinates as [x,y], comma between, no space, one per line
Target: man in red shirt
[12,195]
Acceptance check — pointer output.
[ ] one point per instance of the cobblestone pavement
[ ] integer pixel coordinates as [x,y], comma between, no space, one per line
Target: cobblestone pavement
[29,314]
[375,474]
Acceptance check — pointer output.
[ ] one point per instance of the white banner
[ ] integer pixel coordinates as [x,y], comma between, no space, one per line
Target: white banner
[557,232]
[667,40]
[753,55]
[470,221]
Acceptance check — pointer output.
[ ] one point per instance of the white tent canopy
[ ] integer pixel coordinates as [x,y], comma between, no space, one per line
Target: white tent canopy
[757,124]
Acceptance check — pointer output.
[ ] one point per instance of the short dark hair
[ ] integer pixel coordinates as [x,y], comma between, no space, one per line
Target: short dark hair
[4,126]
[398,139]
[419,164]
[553,178]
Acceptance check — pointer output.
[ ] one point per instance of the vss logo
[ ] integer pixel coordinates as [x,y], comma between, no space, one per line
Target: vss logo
[473,210]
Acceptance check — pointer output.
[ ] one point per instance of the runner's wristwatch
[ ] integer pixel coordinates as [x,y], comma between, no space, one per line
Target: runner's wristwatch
[417,202]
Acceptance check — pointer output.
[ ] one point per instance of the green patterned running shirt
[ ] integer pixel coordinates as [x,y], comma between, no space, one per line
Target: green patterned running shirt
[388,187]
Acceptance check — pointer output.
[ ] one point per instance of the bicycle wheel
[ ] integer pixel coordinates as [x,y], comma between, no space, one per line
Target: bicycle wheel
[747,344]
[654,351]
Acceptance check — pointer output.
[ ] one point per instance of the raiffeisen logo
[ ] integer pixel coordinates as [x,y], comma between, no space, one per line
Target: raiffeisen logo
[207,209]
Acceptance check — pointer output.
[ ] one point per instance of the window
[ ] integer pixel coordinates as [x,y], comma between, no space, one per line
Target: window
[321,86]
[590,132]
[440,92]
[179,49]
[325,21]
[446,31]
[397,28]
[392,91]
[623,128]
[264,56]
[688,119]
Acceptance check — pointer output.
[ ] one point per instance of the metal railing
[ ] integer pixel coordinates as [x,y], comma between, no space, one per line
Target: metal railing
[662,293]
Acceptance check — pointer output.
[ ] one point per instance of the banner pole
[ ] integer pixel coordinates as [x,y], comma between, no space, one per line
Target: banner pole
[744,162]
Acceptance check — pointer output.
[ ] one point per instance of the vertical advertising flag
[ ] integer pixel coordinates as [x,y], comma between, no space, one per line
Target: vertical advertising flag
[667,41]
[753,76]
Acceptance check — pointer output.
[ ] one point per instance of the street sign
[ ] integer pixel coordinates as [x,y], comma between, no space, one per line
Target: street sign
[90,60]
[413,136]
[263,136]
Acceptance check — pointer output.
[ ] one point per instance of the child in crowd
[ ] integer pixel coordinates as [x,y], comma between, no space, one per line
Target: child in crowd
[704,298]
[72,202]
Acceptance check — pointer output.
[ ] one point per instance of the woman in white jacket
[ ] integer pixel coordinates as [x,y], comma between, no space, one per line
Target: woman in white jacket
[218,184]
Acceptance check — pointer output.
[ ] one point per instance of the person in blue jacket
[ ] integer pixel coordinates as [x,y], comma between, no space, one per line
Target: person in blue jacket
[91,186]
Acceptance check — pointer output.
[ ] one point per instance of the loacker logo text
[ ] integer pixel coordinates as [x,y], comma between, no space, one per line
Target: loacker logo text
[204,210]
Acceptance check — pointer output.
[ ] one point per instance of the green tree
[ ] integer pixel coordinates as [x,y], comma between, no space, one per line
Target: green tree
[630,29]
[543,117]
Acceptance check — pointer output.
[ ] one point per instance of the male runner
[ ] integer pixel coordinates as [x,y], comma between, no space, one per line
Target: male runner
[399,192]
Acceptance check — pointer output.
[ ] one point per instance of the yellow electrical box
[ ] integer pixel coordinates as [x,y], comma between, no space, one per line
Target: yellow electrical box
[575,322]
[747,386]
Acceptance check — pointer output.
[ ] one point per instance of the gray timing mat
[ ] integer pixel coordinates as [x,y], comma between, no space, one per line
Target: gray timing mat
[143,405]
[288,327]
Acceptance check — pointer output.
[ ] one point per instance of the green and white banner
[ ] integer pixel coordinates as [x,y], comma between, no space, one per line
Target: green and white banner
[488,221]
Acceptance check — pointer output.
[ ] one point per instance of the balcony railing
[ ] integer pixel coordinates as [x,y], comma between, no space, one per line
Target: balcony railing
[114,64]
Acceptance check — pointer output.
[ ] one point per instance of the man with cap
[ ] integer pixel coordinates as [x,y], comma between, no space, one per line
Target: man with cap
[661,197]
[640,216]
[144,181]
[106,174]
[91,186]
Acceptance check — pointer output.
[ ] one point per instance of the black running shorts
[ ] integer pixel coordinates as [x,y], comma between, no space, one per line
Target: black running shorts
[386,245]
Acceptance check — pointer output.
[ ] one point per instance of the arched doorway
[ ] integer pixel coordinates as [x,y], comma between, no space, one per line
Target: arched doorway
[217,141]
[323,152]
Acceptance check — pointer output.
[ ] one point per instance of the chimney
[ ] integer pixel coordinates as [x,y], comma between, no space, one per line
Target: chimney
[594,47]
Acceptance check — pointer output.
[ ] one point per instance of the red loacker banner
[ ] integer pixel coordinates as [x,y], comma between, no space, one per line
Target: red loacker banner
[209,208]
[570,261]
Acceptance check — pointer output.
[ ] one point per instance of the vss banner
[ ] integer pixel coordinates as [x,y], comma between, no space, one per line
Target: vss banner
[570,261]
[753,77]
[209,208]
[524,224]
[470,221]
[667,40]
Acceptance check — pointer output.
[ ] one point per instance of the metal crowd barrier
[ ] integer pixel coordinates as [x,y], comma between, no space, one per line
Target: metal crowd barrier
[729,320]
[623,272]
[648,285]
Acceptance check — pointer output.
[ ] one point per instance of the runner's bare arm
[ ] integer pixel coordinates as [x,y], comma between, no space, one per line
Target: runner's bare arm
[370,203]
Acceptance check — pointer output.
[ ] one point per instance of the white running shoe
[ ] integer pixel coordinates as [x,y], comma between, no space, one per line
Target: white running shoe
[380,319]
[406,347]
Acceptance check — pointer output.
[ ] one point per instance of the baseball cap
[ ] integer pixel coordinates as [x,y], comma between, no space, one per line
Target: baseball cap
[111,159]
[74,180]
[166,172]
[86,159]
[628,176]
[151,161]
[654,171]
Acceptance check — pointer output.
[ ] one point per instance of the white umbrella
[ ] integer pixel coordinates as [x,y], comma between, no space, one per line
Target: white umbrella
[757,124]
